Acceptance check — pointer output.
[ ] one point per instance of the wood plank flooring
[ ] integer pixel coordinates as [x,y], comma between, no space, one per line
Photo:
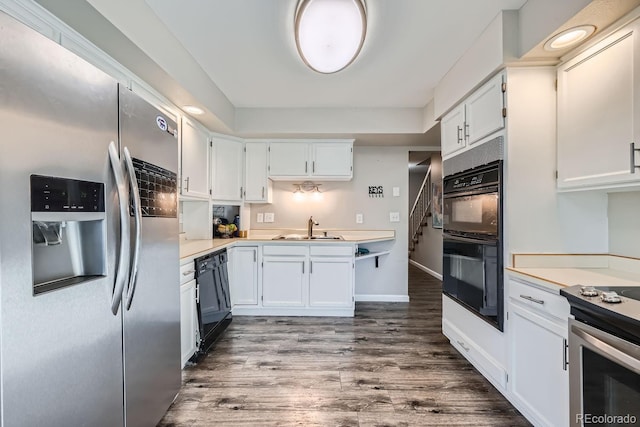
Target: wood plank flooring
[390,365]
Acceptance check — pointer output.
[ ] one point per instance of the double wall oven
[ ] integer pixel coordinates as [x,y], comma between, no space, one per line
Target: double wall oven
[472,240]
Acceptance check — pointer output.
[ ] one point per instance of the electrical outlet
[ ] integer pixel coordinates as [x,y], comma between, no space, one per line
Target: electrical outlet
[359,218]
[394,216]
[260,217]
[269,217]
[396,191]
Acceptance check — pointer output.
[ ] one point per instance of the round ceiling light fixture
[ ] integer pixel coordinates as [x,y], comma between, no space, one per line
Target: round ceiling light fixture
[192,109]
[569,37]
[330,33]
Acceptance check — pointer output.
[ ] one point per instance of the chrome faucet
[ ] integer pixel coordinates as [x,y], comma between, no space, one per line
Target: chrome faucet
[310,225]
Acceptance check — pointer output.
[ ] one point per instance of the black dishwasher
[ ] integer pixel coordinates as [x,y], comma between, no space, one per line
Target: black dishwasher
[214,305]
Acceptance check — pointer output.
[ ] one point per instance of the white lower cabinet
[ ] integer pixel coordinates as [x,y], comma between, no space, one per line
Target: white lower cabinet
[538,380]
[243,275]
[188,311]
[284,281]
[330,282]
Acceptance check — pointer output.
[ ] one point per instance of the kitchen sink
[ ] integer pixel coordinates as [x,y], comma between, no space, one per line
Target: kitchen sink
[302,237]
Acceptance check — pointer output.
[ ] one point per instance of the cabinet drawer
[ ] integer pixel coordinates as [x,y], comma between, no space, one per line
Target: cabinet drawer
[285,250]
[187,272]
[539,299]
[329,250]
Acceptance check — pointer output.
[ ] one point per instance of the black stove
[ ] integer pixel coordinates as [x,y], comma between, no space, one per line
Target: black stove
[615,309]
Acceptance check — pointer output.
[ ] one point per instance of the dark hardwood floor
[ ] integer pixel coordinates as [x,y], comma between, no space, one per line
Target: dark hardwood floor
[390,365]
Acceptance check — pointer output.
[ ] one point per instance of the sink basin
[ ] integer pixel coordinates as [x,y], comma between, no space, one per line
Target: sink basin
[302,237]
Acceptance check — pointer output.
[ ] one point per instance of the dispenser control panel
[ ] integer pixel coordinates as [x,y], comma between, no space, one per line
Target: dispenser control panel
[53,194]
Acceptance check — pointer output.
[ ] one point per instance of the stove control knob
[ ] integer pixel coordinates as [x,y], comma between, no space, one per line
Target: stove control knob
[588,291]
[611,297]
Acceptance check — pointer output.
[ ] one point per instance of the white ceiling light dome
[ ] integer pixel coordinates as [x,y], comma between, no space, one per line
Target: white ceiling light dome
[330,33]
[570,37]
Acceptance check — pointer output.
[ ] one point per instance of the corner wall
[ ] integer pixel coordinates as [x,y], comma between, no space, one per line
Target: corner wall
[624,226]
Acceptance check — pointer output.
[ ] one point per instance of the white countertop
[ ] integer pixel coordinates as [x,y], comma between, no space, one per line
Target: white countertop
[190,249]
[555,271]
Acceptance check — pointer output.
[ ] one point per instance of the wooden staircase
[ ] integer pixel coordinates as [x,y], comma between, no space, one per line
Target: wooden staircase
[420,212]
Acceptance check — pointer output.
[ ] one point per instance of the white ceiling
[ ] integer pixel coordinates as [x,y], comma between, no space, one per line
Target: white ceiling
[247,48]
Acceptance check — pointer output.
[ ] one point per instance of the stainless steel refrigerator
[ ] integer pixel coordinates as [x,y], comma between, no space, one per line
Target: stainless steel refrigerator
[89,259]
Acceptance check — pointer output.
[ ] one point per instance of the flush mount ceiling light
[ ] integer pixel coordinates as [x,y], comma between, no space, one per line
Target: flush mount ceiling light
[330,33]
[192,109]
[569,37]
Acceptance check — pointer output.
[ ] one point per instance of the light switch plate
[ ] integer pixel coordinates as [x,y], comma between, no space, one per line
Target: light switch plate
[260,217]
[359,218]
[394,216]
[269,217]
[396,191]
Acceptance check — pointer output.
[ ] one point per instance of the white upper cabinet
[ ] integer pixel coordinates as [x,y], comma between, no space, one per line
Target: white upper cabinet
[484,110]
[598,92]
[326,160]
[288,159]
[478,116]
[227,169]
[451,129]
[194,149]
[332,159]
[258,186]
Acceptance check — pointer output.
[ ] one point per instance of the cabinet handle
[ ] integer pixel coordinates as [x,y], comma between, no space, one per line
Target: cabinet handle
[565,356]
[187,184]
[310,267]
[463,346]
[466,130]
[255,256]
[313,166]
[186,273]
[532,299]
[302,267]
[632,152]
[263,192]
[305,167]
[198,293]
[241,192]
[459,134]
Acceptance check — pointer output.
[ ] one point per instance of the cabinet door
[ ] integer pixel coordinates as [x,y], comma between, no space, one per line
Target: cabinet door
[284,280]
[452,132]
[194,146]
[539,377]
[288,159]
[227,169]
[188,320]
[243,275]
[256,177]
[331,282]
[483,110]
[332,160]
[597,94]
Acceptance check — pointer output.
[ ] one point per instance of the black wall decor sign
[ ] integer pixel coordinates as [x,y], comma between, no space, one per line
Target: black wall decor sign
[376,191]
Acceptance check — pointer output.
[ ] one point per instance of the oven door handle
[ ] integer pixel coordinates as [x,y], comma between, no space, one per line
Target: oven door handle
[608,350]
[491,242]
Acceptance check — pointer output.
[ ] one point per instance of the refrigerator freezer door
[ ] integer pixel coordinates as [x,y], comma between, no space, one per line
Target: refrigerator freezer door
[60,350]
[152,322]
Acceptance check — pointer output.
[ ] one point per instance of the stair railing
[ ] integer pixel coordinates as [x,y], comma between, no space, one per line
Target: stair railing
[420,211]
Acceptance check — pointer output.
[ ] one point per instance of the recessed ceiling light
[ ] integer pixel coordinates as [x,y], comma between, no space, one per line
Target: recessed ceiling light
[330,33]
[192,109]
[569,37]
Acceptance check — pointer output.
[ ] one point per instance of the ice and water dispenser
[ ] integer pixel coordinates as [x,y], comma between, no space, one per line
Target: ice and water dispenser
[68,232]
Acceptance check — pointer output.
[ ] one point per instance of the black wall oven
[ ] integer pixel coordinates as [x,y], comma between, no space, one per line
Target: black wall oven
[472,241]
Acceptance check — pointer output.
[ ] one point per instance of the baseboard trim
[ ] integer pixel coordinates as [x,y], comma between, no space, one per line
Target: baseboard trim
[426,269]
[382,298]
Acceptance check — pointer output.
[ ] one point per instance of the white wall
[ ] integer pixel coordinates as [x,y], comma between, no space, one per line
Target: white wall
[386,166]
[624,224]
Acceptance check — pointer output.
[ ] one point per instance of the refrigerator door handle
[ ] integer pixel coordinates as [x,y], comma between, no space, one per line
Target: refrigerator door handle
[123,257]
[137,215]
